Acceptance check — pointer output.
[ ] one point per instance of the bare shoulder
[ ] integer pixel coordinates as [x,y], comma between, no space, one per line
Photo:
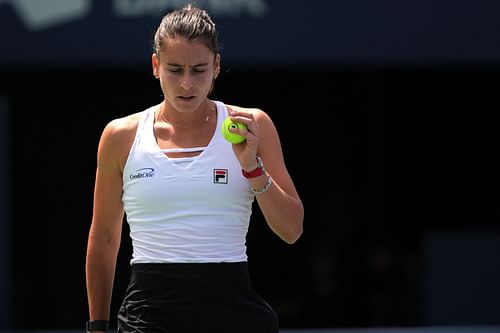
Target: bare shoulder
[124,125]
[117,138]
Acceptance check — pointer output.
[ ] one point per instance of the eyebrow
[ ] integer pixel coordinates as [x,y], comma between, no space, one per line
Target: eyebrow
[197,65]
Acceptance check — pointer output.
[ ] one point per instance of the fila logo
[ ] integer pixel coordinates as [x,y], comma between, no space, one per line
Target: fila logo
[220,176]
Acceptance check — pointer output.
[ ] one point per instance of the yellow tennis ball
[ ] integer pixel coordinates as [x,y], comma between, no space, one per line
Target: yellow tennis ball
[230,136]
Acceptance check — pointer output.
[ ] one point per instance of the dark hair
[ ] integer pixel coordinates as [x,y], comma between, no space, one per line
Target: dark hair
[189,22]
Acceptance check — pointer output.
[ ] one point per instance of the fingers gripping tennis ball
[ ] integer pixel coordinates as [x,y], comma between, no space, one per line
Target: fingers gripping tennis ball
[230,136]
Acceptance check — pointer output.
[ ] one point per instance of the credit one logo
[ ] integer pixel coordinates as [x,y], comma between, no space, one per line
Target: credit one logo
[143,173]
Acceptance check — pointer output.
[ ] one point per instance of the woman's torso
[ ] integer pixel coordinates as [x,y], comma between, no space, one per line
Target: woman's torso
[188,209]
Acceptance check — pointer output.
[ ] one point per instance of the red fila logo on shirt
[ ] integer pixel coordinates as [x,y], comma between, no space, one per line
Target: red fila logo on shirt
[220,176]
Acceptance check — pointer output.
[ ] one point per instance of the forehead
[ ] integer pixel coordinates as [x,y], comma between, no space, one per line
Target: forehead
[180,51]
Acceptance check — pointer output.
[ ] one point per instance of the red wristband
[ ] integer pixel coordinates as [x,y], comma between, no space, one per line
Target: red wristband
[258,171]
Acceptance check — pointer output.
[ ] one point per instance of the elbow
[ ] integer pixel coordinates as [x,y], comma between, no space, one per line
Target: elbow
[297,228]
[288,227]
[294,233]
[293,236]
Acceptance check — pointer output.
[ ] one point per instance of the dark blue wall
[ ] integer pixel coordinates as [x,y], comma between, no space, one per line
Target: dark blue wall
[258,31]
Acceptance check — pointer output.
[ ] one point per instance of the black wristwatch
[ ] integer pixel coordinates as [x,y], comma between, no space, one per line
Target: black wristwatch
[96,325]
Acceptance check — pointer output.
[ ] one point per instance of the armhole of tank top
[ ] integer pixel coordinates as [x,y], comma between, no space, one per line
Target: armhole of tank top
[142,121]
[227,111]
[221,114]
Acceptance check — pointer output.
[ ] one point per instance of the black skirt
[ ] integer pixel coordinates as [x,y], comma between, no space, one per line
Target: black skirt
[188,298]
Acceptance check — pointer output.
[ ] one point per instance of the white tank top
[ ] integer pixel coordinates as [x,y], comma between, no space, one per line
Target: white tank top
[194,211]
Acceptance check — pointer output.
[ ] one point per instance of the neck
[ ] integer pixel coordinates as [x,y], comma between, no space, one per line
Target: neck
[203,118]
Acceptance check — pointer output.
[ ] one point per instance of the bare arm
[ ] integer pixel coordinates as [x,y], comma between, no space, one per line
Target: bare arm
[105,231]
[280,204]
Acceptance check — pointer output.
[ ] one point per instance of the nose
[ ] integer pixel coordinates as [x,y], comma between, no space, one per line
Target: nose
[187,82]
